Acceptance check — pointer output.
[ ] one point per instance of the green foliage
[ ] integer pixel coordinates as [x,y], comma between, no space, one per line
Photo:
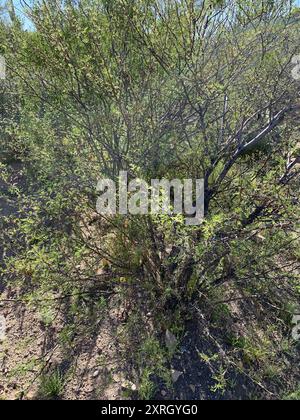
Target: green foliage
[152,360]
[294,396]
[147,387]
[220,381]
[162,90]
[220,314]
[52,385]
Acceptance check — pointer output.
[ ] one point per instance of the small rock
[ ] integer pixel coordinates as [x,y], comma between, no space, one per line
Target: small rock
[169,250]
[96,373]
[163,393]
[193,388]
[129,385]
[171,341]
[175,375]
